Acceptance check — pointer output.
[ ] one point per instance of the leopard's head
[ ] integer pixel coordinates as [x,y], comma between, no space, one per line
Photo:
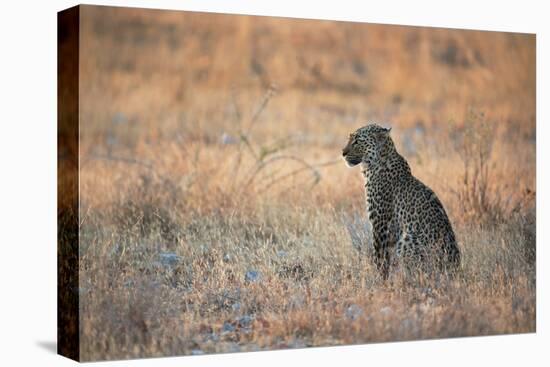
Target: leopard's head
[366,145]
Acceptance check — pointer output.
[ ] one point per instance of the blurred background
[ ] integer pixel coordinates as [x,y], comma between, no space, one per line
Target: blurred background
[192,82]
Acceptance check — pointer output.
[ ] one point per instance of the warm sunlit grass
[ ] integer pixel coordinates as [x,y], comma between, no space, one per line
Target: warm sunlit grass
[217,216]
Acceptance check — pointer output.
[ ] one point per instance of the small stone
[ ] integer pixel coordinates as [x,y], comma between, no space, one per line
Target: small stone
[228,327]
[169,259]
[227,139]
[353,312]
[252,276]
[197,352]
[245,321]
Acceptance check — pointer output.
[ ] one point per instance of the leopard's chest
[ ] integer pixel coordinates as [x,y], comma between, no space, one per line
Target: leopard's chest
[378,195]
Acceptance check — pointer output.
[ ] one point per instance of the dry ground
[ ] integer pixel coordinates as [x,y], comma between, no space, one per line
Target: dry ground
[217,216]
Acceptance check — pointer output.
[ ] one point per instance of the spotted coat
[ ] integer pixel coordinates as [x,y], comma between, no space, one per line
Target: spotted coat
[409,224]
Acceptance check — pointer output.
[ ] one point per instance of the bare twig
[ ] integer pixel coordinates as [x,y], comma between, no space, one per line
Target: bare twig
[244,137]
[305,167]
[317,175]
[236,106]
[267,96]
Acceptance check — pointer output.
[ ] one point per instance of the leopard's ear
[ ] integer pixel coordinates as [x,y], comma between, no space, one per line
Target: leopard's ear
[383,136]
[386,130]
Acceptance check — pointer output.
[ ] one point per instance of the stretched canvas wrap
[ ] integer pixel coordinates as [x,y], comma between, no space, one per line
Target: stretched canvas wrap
[233,183]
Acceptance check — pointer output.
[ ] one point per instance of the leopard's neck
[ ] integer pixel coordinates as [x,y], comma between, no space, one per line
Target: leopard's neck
[382,177]
[393,167]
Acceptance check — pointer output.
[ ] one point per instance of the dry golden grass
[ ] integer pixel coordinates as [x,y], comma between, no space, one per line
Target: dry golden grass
[217,216]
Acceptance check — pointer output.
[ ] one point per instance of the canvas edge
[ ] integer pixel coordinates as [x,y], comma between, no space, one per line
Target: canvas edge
[68,45]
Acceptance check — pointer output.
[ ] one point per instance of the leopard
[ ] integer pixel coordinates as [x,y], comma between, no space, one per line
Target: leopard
[410,227]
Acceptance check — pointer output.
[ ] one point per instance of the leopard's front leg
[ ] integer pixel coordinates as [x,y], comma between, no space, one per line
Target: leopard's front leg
[381,248]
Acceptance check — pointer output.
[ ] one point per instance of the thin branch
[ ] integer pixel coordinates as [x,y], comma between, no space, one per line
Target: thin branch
[313,167]
[306,166]
[267,96]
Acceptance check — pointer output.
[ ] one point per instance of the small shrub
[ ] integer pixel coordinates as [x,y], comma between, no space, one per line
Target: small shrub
[480,199]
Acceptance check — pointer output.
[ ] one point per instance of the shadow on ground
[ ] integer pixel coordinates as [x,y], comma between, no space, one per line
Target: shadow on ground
[48,345]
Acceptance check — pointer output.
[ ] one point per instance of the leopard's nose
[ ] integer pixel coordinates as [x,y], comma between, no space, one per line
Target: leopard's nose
[344,152]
